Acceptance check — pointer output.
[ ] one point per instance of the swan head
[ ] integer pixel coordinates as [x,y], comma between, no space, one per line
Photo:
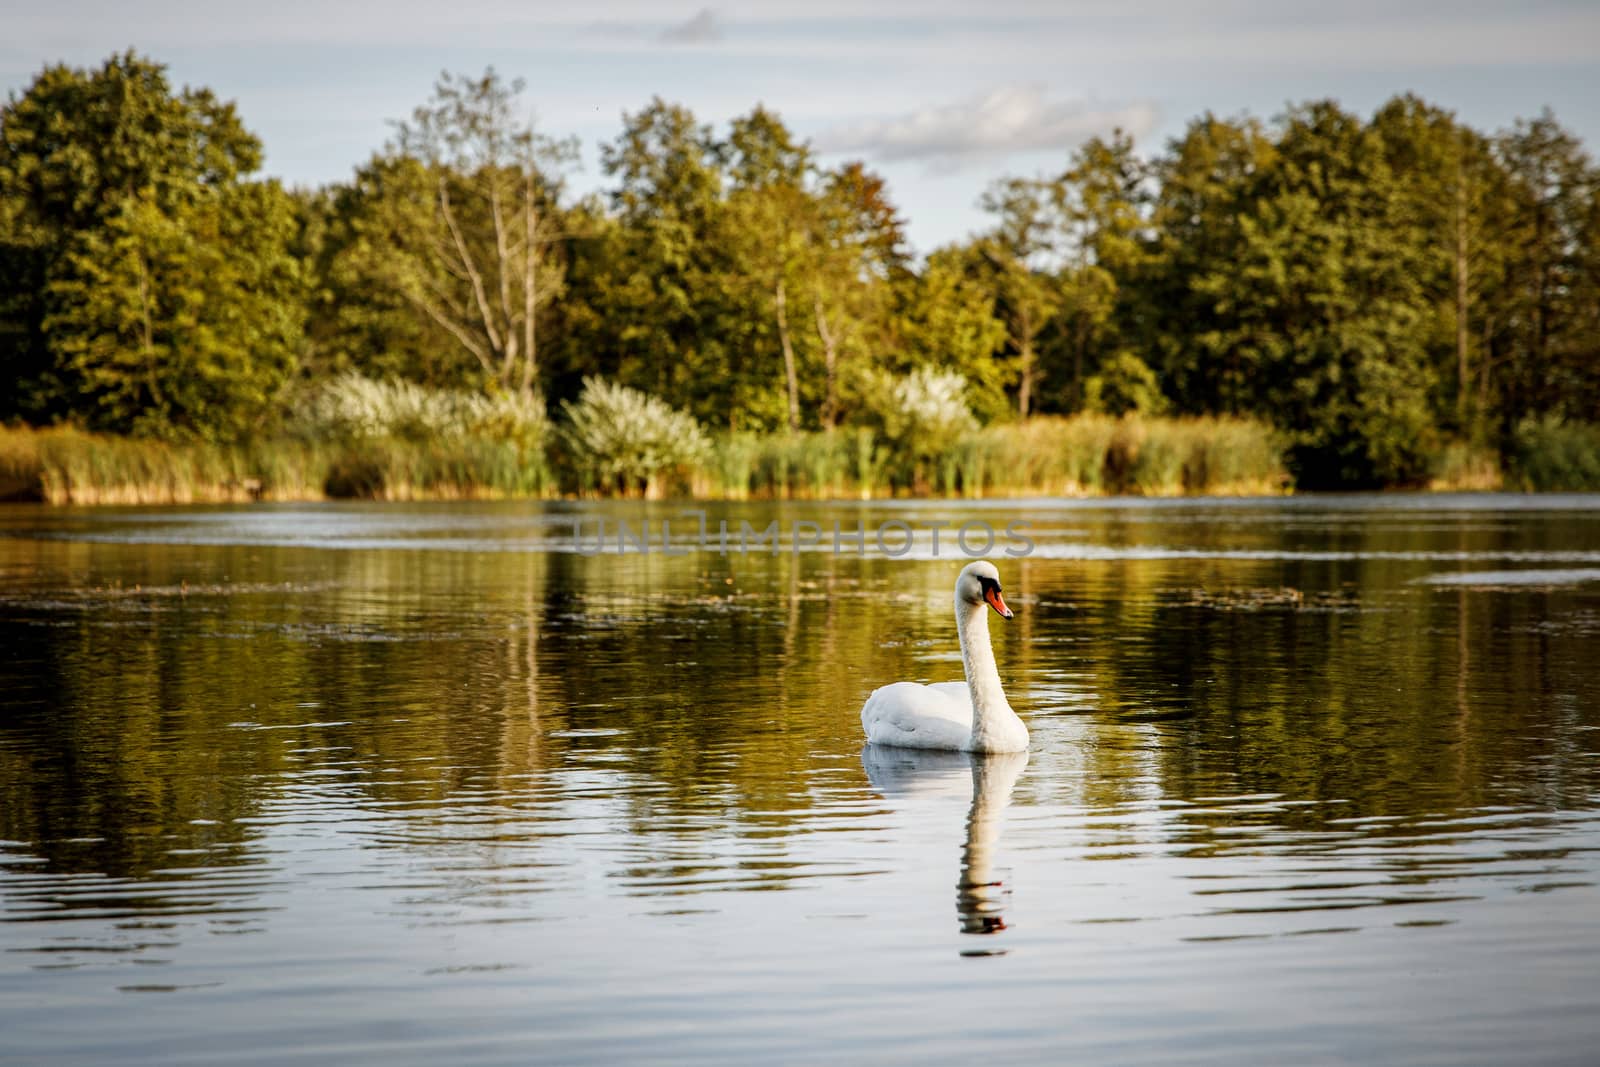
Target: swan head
[979,583]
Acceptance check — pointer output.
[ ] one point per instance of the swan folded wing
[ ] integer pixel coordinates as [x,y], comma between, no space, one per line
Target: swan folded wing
[909,715]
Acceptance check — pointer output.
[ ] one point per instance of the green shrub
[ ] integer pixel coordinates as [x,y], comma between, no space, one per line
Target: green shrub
[1552,455]
[1125,385]
[353,407]
[621,439]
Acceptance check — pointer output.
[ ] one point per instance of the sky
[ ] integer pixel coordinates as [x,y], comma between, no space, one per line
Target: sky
[941,98]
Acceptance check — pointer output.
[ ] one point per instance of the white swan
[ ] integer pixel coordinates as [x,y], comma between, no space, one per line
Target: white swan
[970,716]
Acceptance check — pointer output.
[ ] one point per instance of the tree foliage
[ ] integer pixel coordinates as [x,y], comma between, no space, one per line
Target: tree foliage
[460,218]
[1375,287]
[148,286]
[183,322]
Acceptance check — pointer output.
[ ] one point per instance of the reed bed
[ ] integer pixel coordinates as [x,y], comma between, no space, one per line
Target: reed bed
[1086,455]
[1465,467]
[1089,455]
[1092,455]
[822,465]
[63,465]
[357,437]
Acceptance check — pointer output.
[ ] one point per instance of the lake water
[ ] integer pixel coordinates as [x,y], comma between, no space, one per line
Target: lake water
[1312,780]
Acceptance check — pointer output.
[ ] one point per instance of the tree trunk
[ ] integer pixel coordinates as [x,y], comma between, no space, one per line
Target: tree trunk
[1485,361]
[1080,342]
[1527,381]
[486,320]
[530,301]
[788,358]
[147,336]
[1025,388]
[502,262]
[830,399]
[1462,379]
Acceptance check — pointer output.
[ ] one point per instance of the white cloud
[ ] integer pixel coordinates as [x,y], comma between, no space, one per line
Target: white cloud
[703,28]
[1356,32]
[908,82]
[994,124]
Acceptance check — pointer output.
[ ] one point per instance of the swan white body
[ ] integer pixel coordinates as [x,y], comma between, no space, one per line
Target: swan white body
[970,716]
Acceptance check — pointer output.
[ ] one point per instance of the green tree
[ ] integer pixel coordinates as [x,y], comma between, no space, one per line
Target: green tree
[1451,193]
[859,255]
[946,318]
[813,255]
[1206,182]
[658,287]
[460,219]
[76,148]
[1027,297]
[182,323]
[771,222]
[1123,384]
[357,319]
[1545,337]
[1103,200]
[1323,297]
[1101,208]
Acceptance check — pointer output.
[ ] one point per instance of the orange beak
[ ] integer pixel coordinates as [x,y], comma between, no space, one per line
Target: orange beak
[997,602]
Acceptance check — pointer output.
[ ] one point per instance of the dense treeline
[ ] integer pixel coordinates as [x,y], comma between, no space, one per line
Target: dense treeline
[1381,291]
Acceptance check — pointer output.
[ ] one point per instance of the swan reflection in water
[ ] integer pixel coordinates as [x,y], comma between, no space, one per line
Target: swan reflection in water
[914,773]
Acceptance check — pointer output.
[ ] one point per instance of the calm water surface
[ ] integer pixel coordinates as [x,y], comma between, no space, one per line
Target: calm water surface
[1311,781]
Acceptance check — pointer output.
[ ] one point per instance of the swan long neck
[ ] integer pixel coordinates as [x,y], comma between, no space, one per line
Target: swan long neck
[989,707]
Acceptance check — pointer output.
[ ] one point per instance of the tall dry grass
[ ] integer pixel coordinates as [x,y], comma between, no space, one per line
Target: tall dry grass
[1090,455]
[63,465]
[1465,467]
[1087,455]
[820,465]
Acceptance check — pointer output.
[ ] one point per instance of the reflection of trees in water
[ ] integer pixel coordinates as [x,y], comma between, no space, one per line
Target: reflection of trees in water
[164,719]
[706,709]
[168,710]
[1362,706]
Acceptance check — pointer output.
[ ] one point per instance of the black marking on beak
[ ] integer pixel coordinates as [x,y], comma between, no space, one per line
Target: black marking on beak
[991,596]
